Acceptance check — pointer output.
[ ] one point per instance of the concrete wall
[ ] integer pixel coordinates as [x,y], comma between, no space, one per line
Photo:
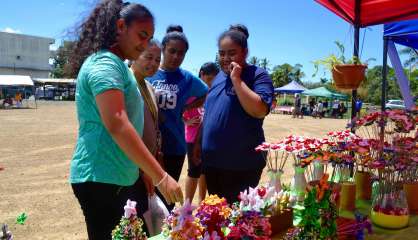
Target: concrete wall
[24,53]
[27,72]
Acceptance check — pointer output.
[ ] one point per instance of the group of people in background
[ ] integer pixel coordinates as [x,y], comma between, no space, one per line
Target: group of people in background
[9,101]
[138,121]
[318,109]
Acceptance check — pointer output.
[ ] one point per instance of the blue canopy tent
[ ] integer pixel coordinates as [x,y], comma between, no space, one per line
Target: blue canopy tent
[292,87]
[404,33]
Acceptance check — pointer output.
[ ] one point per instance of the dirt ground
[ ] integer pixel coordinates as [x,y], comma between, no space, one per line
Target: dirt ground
[36,146]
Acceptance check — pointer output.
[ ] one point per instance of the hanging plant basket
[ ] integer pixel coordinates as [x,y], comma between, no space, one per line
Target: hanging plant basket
[348,76]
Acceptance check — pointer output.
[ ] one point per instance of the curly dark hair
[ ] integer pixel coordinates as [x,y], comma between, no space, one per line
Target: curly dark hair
[99,31]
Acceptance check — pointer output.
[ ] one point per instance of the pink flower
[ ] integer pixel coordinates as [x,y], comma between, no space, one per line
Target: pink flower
[266,144]
[377,165]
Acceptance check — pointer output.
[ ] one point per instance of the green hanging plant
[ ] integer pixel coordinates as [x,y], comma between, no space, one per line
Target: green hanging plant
[332,60]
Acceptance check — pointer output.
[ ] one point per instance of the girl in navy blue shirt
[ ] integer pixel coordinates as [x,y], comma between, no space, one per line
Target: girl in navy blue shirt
[239,99]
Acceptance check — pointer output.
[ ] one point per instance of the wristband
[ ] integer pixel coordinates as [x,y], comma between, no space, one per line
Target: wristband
[162,180]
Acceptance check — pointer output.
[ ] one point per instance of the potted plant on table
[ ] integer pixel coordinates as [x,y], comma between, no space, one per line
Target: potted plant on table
[347,74]
[342,161]
[275,156]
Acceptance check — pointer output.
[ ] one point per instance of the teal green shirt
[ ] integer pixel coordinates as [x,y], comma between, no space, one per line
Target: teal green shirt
[97,157]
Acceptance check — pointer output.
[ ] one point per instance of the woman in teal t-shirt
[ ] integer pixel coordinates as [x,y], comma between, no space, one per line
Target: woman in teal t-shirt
[110,112]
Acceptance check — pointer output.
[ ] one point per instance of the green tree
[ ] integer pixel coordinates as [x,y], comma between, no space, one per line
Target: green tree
[373,85]
[61,66]
[281,75]
[285,73]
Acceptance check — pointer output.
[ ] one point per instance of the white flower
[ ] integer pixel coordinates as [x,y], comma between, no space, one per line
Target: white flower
[130,208]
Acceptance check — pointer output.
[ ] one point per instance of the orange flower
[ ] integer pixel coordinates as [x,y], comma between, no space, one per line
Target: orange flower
[323,186]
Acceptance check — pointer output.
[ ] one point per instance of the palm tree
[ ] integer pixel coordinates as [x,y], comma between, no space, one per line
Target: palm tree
[254,61]
[412,60]
[297,73]
[264,63]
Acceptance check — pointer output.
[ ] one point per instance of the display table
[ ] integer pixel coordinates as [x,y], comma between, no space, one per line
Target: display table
[409,233]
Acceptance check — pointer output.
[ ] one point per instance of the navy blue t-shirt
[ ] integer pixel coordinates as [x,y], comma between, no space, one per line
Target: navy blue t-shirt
[172,90]
[230,135]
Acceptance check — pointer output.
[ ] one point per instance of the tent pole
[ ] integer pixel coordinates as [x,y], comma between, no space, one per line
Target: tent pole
[384,74]
[384,86]
[355,54]
[354,91]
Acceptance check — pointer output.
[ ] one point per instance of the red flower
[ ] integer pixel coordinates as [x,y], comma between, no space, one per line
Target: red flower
[261,191]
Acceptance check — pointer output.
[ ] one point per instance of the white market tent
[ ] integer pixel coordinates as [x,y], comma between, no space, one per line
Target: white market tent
[55,88]
[15,80]
[55,80]
[18,81]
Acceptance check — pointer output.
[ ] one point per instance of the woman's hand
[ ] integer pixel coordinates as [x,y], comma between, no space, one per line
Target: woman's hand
[193,121]
[170,190]
[249,100]
[236,71]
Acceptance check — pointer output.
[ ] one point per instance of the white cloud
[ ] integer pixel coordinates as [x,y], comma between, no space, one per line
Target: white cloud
[11,30]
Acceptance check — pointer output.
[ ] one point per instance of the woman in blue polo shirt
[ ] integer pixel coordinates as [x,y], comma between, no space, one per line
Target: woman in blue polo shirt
[173,87]
[239,99]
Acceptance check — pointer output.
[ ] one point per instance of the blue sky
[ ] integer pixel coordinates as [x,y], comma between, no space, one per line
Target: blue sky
[283,31]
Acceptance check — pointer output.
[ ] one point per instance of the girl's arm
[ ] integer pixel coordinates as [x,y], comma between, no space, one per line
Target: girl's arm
[112,110]
[250,101]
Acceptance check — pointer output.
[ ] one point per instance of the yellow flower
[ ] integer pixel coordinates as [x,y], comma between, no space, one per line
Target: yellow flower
[213,200]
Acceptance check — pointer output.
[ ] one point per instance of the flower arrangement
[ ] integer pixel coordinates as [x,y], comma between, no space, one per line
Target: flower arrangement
[130,226]
[250,217]
[214,219]
[354,228]
[260,199]
[276,157]
[320,214]
[249,225]
[214,213]
[340,146]
[392,155]
[182,224]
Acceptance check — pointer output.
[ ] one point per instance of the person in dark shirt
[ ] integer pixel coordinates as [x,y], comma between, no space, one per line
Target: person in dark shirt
[240,97]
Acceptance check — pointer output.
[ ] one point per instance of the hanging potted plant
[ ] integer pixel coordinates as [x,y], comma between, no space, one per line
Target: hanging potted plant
[345,74]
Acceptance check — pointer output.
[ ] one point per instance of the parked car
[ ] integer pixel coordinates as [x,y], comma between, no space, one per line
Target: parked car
[395,104]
